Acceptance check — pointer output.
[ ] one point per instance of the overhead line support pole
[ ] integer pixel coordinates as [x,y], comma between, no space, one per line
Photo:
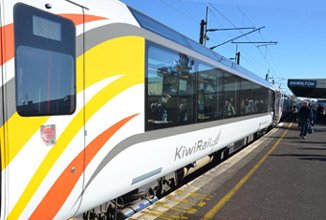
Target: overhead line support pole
[202,32]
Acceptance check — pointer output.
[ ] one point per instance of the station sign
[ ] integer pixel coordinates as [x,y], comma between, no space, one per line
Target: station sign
[302,83]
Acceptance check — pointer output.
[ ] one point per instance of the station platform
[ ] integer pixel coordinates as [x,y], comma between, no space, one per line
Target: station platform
[279,176]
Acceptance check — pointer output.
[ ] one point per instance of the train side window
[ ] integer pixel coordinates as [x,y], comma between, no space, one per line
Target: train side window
[170,88]
[230,90]
[261,96]
[247,103]
[45,62]
[271,99]
[208,91]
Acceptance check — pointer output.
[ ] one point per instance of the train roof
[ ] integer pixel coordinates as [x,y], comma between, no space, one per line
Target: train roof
[167,32]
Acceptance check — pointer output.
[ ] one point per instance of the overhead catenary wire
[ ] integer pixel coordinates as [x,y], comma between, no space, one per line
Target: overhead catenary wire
[267,49]
[182,12]
[244,58]
[242,35]
[271,66]
[179,11]
[228,47]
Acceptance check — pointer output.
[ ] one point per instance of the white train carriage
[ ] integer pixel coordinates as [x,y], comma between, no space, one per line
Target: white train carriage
[98,100]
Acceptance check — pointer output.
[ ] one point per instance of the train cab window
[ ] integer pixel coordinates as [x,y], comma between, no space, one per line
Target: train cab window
[208,91]
[45,62]
[170,88]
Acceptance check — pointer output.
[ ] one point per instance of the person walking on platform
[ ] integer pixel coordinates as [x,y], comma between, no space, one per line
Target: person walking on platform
[305,117]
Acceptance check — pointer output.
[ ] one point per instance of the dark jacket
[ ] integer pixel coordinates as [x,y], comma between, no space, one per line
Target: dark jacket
[305,113]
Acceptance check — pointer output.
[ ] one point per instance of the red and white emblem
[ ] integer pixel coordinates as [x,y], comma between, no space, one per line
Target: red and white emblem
[48,134]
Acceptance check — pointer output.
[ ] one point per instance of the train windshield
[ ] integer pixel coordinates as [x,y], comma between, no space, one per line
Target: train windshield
[45,62]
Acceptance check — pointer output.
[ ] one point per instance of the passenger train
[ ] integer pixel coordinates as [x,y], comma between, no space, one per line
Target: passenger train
[102,104]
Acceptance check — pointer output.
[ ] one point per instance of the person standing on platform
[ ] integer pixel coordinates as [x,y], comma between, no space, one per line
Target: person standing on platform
[305,117]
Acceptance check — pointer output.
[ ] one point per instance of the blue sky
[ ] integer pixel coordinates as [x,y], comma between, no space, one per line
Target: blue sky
[299,27]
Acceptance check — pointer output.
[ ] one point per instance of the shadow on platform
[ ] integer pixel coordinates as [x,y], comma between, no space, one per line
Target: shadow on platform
[312,148]
[307,157]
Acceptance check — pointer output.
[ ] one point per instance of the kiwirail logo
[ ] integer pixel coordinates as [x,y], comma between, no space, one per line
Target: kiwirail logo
[198,146]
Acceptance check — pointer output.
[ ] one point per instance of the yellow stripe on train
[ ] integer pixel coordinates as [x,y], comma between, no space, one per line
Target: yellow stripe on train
[105,60]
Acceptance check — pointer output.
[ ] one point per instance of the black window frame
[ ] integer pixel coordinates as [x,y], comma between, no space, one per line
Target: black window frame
[61,49]
[214,112]
[228,93]
[175,97]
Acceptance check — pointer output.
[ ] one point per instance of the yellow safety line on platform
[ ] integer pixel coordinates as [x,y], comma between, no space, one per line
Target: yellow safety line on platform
[213,211]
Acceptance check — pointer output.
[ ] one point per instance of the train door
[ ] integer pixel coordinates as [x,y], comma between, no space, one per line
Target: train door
[44,109]
[278,104]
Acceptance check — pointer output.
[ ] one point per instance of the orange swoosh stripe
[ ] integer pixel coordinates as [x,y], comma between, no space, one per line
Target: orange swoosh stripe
[79,19]
[59,192]
[7,34]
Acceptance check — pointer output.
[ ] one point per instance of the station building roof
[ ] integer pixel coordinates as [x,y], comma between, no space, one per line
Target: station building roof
[308,88]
